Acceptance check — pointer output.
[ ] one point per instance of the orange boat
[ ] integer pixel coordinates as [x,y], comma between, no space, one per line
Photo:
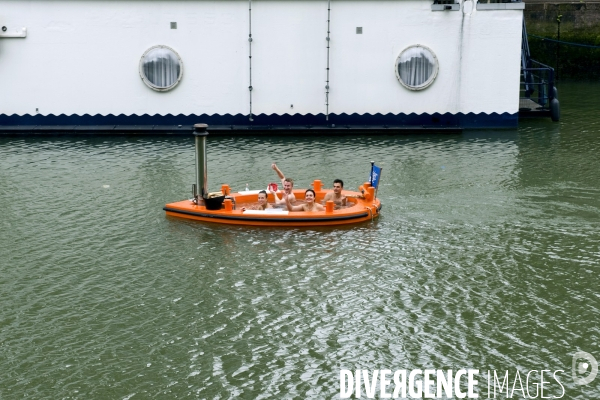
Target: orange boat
[226,207]
[358,210]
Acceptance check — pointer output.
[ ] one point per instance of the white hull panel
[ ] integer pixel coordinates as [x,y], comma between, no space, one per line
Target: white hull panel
[82,57]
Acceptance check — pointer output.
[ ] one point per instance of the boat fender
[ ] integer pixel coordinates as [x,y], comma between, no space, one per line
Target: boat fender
[555,110]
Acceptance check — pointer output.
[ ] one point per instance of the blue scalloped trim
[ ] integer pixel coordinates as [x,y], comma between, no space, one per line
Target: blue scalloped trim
[436,120]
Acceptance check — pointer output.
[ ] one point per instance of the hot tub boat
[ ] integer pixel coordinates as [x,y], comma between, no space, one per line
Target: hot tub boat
[225,207]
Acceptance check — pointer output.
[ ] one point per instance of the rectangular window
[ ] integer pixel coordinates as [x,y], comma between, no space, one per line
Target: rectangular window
[445,5]
[483,5]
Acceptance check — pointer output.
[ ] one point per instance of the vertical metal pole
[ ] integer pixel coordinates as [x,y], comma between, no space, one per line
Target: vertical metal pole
[377,189]
[200,134]
[250,53]
[558,18]
[328,45]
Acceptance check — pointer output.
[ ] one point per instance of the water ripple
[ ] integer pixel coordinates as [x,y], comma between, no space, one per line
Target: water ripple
[486,256]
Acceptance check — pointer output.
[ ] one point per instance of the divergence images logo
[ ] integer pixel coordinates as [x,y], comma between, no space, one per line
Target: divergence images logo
[581,364]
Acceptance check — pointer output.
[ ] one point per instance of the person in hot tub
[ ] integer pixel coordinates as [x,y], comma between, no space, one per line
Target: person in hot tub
[288,186]
[336,196]
[309,205]
[262,202]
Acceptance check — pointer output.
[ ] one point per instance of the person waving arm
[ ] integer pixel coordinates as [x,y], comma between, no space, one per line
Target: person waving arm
[287,183]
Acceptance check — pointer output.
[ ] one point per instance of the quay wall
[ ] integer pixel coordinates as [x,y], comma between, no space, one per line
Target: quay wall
[579,23]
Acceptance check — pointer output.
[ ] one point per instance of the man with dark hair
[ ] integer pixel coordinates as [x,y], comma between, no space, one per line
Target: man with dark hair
[336,196]
[288,185]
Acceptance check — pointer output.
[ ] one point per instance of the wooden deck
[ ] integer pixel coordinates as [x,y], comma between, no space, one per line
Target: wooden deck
[529,108]
[529,105]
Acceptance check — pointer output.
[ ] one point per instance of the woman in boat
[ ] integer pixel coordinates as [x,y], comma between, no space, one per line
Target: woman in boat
[262,202]
[309,205]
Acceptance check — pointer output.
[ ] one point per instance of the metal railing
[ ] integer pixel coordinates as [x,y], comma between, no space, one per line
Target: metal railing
[537,80]
[537,85]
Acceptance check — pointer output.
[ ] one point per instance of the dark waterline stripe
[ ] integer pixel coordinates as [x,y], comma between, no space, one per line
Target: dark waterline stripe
[159,124]
[343,218]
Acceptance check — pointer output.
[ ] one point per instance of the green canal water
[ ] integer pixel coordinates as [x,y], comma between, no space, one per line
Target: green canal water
[486,256]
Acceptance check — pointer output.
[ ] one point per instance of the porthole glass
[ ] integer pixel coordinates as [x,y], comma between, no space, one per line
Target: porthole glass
[416,67]
[161,68]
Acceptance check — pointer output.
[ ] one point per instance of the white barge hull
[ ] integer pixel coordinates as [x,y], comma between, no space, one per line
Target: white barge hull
[76,64]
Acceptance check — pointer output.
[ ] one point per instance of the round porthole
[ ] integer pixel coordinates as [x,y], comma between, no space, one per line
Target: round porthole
[161,68]
[416,67]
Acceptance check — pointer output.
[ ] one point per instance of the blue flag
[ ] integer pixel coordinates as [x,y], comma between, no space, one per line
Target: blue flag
[375,175]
